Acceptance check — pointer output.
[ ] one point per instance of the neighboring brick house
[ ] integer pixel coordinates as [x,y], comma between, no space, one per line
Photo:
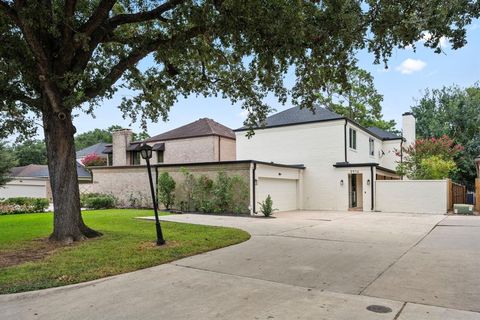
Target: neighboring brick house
[203,140]
[33,181]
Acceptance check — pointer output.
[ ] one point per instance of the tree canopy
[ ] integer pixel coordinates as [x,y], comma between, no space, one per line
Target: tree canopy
[58,56]
[89,138]
[30,152]
[7,162]
[431,158]
[455,112]
[360,101]
[76,53]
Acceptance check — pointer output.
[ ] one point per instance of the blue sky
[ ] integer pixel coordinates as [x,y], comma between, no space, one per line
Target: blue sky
[409,74]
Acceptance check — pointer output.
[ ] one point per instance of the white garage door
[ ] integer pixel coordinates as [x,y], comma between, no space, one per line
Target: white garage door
[282,191]
[31,191]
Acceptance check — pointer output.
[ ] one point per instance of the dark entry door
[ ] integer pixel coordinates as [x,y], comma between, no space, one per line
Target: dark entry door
[353,191]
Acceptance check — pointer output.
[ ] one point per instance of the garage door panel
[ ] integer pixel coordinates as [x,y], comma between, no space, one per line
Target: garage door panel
[282,191]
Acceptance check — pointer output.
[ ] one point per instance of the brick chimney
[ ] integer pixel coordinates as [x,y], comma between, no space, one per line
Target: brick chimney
[409,128]
[120,141]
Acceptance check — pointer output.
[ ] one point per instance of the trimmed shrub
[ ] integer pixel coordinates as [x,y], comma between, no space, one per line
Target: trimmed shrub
[225,194]
[85,196]
[266,207]
[23,205]
[100,202]
[166,188]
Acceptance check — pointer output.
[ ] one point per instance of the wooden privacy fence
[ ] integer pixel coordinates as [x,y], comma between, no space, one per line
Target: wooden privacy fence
[457,194]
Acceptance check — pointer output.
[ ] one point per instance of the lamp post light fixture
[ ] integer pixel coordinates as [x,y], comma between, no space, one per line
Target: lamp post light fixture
[146,153]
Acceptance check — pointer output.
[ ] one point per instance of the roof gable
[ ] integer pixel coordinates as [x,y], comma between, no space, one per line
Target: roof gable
[199,128]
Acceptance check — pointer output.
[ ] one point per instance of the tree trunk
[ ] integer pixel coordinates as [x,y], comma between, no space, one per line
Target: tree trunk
[68,225]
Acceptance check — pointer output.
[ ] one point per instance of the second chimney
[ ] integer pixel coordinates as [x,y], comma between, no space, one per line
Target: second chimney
[409,128]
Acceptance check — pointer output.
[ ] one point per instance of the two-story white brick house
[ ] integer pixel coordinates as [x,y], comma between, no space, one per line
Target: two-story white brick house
[342,159]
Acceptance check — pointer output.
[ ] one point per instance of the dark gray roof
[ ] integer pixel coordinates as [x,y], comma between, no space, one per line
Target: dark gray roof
[199,128]
[41,171]
[385,135]
[96,148]
[296,115]
[159,146]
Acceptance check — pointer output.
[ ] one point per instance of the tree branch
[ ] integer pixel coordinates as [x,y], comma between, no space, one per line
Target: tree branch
[144,16]
[41,60]
[135,56]
[98,17]
[68,32]
[9,11]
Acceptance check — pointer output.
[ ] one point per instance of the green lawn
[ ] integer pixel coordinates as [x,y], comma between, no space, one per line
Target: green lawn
[127,245]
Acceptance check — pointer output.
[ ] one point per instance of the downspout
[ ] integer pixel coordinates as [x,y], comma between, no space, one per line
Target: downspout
[219,144]
[253,188]
[156,185]
[372,187]
[345,139]
[401,151]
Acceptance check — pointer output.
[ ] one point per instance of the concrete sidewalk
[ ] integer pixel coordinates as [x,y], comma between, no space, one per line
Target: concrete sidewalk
[299,265]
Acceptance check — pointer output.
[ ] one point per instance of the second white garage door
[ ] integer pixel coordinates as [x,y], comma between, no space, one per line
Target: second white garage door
[282,191]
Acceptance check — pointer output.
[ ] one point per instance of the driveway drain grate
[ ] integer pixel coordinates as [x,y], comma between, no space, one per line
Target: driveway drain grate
[379,309]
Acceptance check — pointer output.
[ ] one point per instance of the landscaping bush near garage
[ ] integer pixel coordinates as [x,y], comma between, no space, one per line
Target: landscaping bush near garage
[97,201]
[20,205]
[200,193]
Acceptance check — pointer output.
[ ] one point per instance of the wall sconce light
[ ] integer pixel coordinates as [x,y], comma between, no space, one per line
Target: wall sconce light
[341,182]
[368,182]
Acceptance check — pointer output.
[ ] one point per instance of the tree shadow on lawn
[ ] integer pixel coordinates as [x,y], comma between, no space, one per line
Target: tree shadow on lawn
[39,249]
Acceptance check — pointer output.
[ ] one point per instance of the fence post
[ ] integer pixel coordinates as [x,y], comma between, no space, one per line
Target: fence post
[477,194]
[449,195]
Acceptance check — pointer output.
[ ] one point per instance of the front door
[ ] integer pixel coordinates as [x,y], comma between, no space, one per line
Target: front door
[355,194]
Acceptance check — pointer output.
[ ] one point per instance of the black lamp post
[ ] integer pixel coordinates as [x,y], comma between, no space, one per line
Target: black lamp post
[146,153]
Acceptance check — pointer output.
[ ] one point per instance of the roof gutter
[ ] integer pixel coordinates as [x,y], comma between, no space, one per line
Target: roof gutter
[372,188]
[254,209]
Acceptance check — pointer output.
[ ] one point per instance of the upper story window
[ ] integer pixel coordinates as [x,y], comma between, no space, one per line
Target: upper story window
[135,158]
[371,144]
[159,156]
[353,139]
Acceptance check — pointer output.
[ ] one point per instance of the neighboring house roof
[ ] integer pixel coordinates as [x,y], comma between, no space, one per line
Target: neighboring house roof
[297,115]
[200,128]
[41,171]
[96,148]
[385,135]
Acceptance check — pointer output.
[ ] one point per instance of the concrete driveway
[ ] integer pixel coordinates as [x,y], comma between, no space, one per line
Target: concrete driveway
[298,265]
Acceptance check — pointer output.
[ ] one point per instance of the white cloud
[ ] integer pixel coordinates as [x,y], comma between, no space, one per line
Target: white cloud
[410,66]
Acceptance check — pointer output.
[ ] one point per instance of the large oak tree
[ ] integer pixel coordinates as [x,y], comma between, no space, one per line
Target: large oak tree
[59,55]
